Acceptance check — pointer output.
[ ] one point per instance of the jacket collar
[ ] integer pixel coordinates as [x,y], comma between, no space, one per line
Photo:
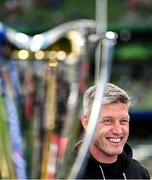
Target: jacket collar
[122,162]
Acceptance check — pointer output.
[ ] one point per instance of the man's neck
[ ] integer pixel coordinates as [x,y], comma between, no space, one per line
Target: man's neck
[101,156]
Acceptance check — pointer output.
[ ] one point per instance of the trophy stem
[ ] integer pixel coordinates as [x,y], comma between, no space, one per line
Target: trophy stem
[50,116]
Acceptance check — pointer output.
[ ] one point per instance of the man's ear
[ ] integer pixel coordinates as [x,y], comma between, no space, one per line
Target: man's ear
[84,121]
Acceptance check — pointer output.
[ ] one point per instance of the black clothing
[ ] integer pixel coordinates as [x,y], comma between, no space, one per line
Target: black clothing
[124,168]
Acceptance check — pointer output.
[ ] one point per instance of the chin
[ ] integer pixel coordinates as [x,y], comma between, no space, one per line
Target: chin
[115,150]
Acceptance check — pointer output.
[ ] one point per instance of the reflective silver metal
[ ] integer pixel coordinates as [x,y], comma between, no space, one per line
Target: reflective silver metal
[49,37]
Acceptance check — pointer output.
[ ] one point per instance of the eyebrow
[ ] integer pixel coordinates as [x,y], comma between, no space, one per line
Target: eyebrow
[125,117]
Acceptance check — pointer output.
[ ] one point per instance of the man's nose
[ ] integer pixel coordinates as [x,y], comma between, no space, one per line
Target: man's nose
[117,128]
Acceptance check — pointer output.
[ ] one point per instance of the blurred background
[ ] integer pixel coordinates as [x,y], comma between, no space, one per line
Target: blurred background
[132,60]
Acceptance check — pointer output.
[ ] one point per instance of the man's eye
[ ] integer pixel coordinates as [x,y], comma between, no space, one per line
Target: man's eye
[124,121]
[107,121]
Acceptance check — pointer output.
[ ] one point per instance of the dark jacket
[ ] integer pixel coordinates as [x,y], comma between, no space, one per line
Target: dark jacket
[124,168]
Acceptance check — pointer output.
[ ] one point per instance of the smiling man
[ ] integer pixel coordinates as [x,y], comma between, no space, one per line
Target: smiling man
[110,157]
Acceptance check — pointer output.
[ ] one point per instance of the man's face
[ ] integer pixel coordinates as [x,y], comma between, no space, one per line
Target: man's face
[113,129]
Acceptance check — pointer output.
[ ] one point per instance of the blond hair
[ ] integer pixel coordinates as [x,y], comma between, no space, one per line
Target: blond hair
[112,94]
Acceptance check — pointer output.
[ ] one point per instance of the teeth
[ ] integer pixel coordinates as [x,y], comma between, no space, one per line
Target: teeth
[114,140]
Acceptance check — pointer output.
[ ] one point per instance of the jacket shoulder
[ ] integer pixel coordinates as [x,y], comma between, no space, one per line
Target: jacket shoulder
[137,171]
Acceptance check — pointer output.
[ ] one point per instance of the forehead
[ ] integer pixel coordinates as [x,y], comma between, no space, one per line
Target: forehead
[114,109]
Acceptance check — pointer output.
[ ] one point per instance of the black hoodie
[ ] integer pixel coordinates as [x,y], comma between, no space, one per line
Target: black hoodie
[124,168]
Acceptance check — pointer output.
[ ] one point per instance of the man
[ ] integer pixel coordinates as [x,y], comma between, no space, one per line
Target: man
[110,157]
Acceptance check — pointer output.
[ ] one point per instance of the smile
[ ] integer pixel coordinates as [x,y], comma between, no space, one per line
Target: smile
[114,140]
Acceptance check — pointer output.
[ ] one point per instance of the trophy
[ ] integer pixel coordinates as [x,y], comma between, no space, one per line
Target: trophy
[45,88]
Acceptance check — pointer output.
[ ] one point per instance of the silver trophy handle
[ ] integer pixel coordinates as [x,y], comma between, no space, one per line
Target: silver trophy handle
[107,45]
[45,39]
